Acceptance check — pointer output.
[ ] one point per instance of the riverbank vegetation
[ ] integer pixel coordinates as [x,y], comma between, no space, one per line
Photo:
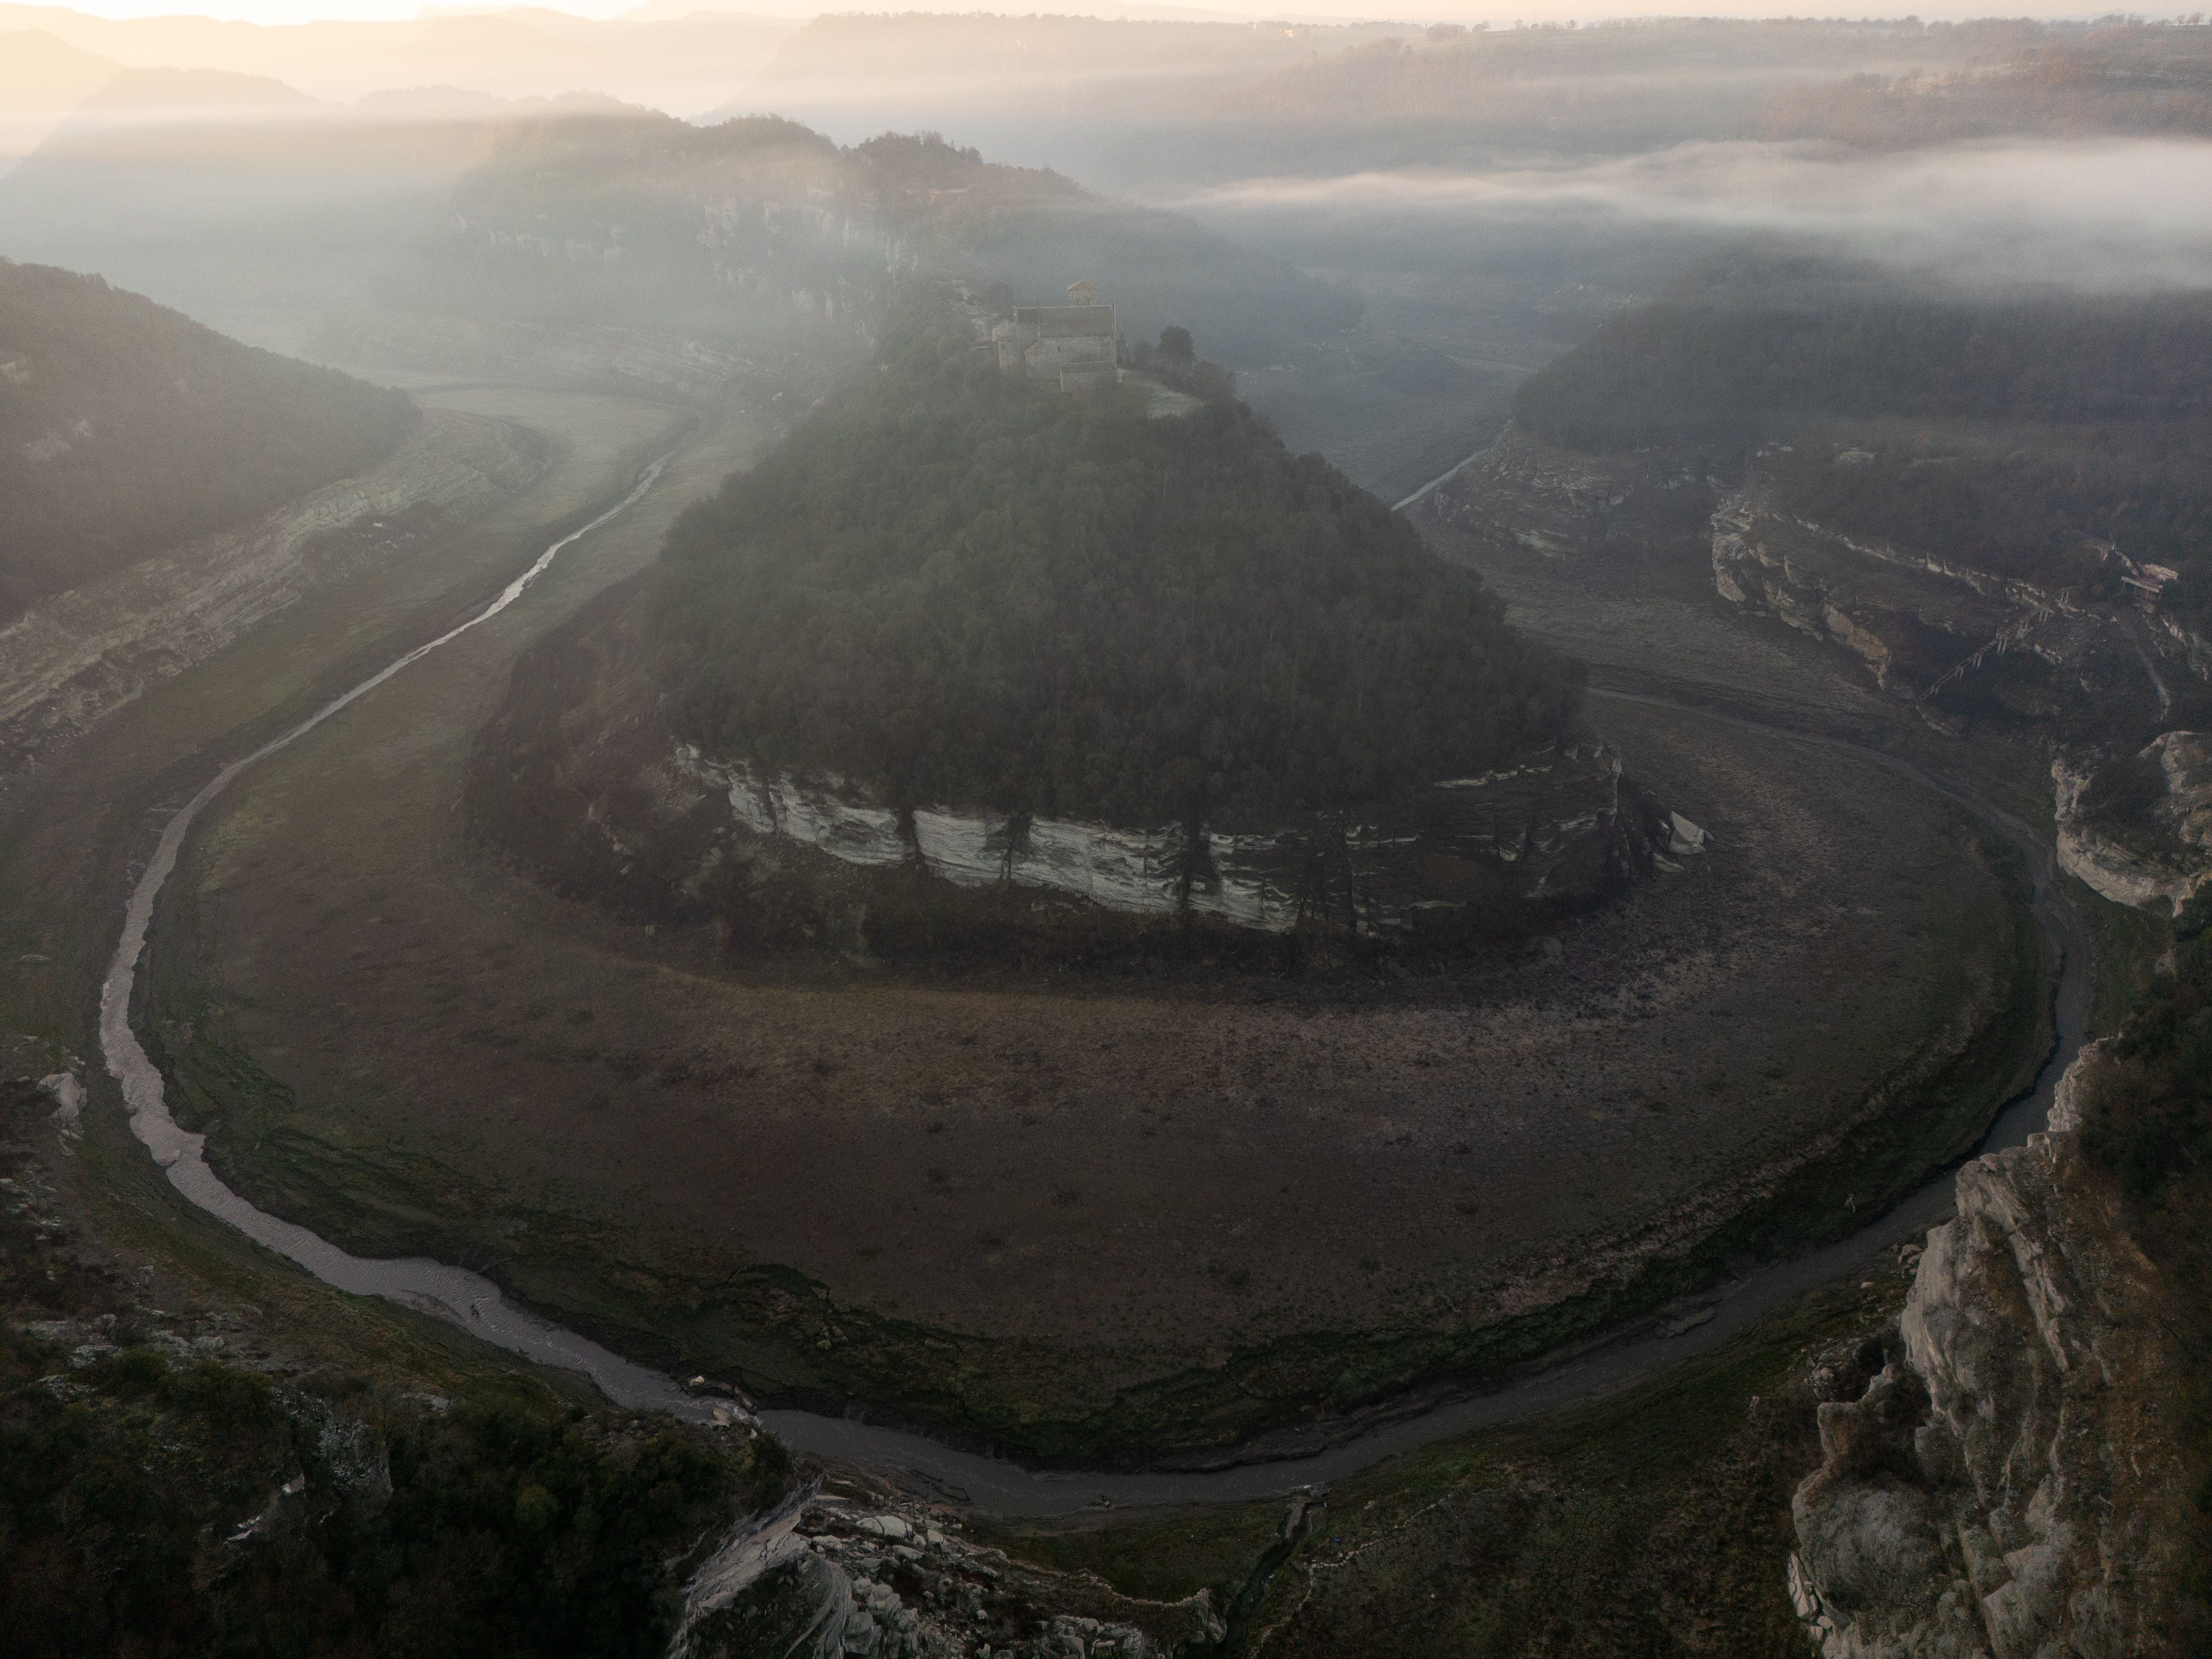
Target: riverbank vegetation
[1653,1522]
[169,1487]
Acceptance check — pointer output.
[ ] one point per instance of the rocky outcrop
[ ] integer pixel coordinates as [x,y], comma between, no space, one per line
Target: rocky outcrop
[1554,829]
[2153,852]
[2194,650]
[871,1576]
[1908,623]
[593,355]
[77,656]
[2008,1486]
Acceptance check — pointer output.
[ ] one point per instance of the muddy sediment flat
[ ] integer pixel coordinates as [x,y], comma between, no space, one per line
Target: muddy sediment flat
[1122,1186]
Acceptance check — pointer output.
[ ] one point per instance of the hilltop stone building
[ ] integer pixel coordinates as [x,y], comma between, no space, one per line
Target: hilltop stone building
[1074,344]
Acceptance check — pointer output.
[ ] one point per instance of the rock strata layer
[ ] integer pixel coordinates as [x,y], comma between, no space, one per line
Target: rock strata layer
[582,774]
[1557,829]
[2009,1486]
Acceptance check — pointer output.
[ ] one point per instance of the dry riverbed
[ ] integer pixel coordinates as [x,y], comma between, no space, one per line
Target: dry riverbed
[1019,1209]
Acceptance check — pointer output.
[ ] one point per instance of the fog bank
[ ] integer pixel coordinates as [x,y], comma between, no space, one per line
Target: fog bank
[2107,215]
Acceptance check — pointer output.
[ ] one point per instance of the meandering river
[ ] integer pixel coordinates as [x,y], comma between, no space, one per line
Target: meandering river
[477,1305]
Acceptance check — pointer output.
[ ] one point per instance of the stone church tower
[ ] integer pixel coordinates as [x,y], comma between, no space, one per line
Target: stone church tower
[1074,344]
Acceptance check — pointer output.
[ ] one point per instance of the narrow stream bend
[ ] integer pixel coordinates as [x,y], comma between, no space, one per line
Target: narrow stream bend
[475,1304]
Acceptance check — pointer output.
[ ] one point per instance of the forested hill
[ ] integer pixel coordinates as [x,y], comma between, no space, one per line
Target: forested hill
[2007,432]
[126,427]
[950,586]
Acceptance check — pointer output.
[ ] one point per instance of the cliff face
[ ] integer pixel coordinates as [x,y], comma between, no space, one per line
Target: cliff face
[1952,639]
[2009,1487]
[1559,829]
[2155,854]
[1909,624]
[876,1577]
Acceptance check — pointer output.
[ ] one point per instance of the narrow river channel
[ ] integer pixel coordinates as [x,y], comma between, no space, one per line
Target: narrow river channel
[475,1304]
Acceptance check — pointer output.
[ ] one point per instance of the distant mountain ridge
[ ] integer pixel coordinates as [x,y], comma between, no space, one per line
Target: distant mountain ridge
[763,233]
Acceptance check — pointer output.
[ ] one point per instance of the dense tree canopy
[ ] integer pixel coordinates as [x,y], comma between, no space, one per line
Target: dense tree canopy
[126,428]
[954,587]
[492,1528]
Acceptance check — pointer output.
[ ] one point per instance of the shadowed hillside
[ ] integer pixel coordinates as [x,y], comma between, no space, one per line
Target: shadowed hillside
[761,232]
[126,428]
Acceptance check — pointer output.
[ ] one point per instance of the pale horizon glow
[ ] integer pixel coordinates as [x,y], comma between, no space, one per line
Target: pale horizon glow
[1496,15]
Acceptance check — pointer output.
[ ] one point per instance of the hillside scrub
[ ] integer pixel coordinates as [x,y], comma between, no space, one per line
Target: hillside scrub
[2126,77]
[950,586]
[126,427]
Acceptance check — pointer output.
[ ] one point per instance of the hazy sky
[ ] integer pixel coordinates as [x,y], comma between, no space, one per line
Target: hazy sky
[1497,12]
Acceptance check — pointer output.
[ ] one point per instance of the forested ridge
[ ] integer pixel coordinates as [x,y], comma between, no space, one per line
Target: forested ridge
[126,427]
[953,587]
[1749,343]
[760,228]
[2010,433]
[2124,77]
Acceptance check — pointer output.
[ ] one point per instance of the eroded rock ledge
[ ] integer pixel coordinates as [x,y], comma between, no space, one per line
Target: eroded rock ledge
[2008,1486]
[864,1573]
[78,655]
[2157,853]
[1558,828]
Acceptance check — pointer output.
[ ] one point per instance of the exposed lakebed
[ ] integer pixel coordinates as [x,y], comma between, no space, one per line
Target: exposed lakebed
[477,1304]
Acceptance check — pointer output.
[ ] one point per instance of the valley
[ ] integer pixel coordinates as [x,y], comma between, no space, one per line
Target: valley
[1128,1232]
[820,957]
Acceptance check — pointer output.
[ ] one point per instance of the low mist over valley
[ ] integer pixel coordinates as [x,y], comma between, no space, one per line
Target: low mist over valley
[1097,836]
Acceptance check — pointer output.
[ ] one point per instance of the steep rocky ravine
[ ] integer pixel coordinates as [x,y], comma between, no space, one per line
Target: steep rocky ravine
[2011,1484]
